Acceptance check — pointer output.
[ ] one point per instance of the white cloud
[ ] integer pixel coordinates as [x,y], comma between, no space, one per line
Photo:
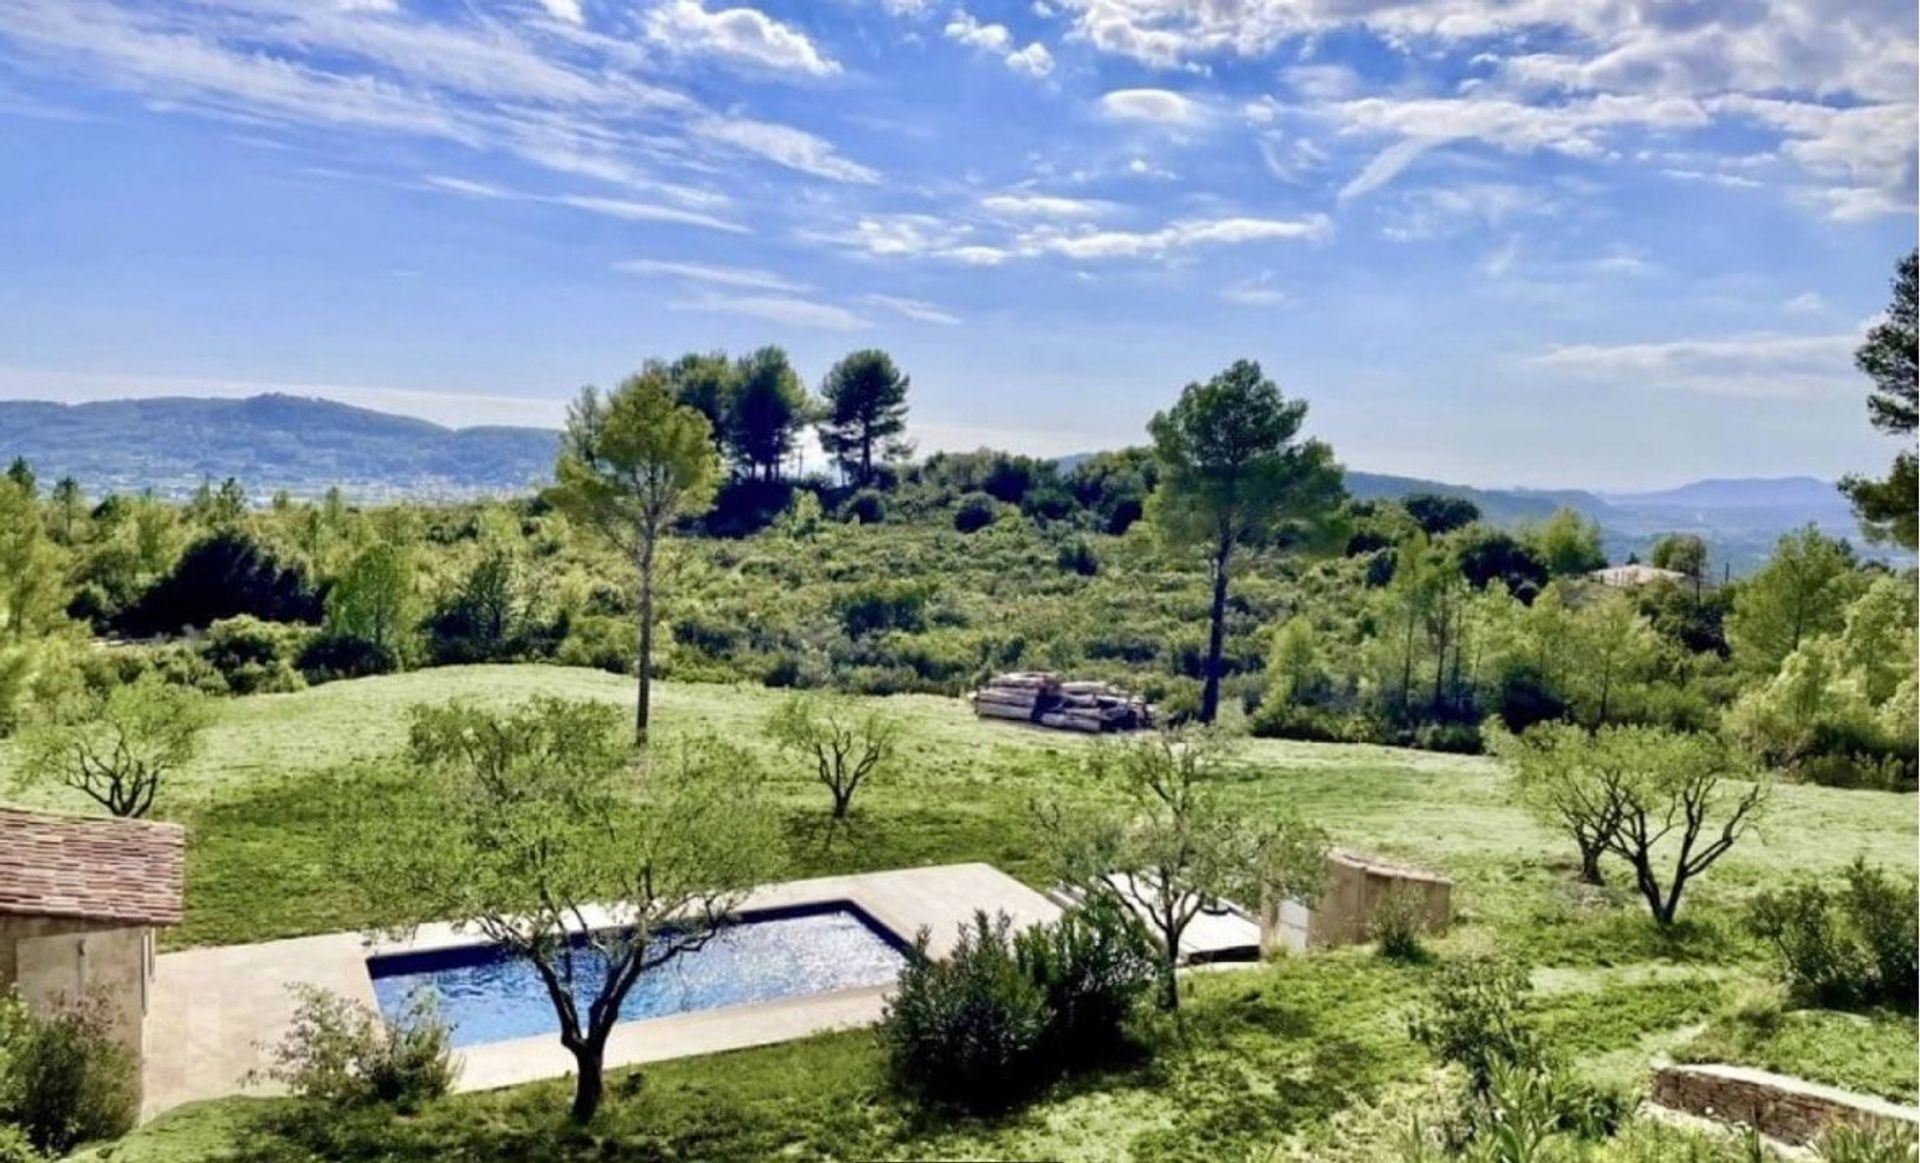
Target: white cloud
[1153,107]
[1444,211]
[784,145]
[1107,244]
[1760,365]
[744,278]
[567,10]
[1806,303]
[968,31]
[783,309]
[633,211]
[1323,82]
[1043,206]
[741,34]
[915,309]
[1033,60]
[623,208]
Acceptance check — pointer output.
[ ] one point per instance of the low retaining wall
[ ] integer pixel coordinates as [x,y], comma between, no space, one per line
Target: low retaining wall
[1791,1110]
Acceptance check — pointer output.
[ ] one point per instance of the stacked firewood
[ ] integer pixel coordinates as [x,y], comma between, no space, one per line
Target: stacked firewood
[1043,697]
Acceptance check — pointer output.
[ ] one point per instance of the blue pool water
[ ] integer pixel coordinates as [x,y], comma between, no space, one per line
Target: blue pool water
[490,996]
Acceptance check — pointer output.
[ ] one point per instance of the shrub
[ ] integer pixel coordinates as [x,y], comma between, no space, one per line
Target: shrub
[1095,967]
[967,1030]
[1077,556]
[336,656]
[64,1080]
[1851,949]
[866,507]
[1474,1019]
[340,1053]
[1397,922]
[254,657]
[15,1147]
[1881,1143]
[975,511]
[870,607]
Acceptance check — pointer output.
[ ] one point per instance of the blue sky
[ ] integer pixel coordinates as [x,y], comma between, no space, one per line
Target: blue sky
[1607,243]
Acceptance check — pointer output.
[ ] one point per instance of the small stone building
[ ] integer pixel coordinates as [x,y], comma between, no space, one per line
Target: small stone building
[1357,884]
[80,899]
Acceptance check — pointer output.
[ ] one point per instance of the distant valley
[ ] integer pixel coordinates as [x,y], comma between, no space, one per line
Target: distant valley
[306,446]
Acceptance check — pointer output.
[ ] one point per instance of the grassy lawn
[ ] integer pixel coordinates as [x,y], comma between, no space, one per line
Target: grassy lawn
[1303,1059]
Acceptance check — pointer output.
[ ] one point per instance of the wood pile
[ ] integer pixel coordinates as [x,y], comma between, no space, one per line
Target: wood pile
[1042,697]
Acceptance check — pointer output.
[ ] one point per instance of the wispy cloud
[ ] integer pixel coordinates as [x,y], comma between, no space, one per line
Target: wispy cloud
[622,208]
[1764,365]
[786,310]
[1162,107]
[915,309]
[745,278]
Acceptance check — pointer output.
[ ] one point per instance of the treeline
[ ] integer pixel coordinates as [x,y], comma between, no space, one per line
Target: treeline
[1220,568]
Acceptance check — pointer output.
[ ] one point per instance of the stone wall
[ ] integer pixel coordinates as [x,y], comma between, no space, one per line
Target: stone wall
[55,959]
[1791,1110]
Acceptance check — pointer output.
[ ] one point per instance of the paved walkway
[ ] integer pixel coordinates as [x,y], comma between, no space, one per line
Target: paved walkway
[216,1013]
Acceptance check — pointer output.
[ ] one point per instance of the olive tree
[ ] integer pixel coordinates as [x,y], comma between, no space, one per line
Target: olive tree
[848,746]
[1177,847]
[1233,471]
[631,463]
[117,749]
[1668,803]
[535,827]
[1570,784]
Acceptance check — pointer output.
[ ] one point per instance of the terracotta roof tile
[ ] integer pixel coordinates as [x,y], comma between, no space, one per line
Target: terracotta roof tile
[98,869]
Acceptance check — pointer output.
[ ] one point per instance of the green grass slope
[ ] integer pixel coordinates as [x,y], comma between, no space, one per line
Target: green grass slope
[1303,1059]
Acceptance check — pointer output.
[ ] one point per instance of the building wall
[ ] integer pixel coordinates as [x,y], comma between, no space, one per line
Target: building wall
[55,959]
[1356,886]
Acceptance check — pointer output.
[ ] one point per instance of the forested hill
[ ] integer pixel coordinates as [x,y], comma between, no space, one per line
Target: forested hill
[306,446]
[268,443]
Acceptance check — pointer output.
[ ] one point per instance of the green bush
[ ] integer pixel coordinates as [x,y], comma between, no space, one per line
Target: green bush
[968,1030]
[15,1147]
[1851,949]
[1095,967]
[1881,1143]
[1078,556]
[1474,1019]
[1397,922]
[975,512]
[340,1053]
[330,657]
[64,1080]
[866,507]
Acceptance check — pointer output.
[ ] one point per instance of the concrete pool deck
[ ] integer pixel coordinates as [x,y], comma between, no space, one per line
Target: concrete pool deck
[216,1013]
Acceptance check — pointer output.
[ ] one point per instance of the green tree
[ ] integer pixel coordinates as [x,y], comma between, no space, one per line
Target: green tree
[1567,782]
[1687,800]
[1889,357]
[770,407]
[32,591]
[707,382]
[1177,847]
[632,462]
[1682,553]
[122,746]
[865,407]
[848,746]
[1437,514]
[21,474]
[1802,591]
[1612,650]
[69,509]
[373,599]
[1233,472]
[519,824]
[1568,543]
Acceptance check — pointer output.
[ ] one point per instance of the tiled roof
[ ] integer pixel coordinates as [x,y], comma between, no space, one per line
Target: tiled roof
[97,869]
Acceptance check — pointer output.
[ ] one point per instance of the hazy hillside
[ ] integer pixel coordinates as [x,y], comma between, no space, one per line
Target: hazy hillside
[269,443]
[307,446]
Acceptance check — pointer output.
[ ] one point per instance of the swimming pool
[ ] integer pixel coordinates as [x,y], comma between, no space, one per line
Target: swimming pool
[488,995]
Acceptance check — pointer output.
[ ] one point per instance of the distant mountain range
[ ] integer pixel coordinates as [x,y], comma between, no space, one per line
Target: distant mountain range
[268,443]
[306,446]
